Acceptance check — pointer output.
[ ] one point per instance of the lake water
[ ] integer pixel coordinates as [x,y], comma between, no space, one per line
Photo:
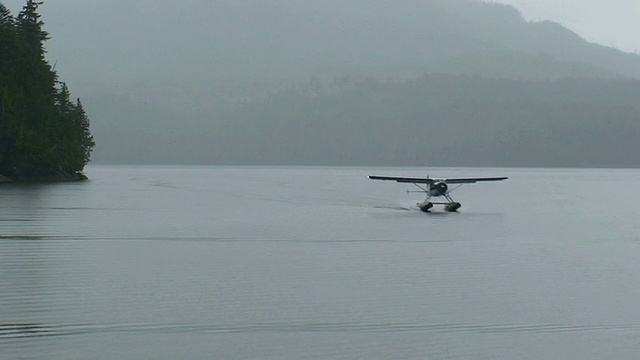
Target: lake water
[320,263]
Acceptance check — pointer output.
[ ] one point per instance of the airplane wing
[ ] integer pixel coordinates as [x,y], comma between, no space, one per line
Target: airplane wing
[472,180]
[432,181]
[404,179]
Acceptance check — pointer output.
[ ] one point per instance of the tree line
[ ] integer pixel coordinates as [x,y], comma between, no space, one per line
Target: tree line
[43,133]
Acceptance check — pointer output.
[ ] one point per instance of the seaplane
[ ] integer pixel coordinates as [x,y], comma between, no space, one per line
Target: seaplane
[434,187]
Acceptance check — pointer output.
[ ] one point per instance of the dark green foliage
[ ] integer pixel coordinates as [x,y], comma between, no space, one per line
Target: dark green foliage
[43,134]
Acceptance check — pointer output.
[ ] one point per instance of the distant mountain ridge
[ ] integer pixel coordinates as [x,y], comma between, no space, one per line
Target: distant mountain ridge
[437,82]
[284,41]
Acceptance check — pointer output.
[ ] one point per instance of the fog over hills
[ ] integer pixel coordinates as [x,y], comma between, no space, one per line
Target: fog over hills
[241,42]
[251,82]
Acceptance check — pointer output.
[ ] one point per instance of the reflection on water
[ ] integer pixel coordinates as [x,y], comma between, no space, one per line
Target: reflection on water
[301,263]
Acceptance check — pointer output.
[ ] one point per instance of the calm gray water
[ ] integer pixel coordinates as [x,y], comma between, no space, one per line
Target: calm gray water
[319,263]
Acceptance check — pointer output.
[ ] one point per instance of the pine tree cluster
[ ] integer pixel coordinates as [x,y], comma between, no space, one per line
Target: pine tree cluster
[43,134]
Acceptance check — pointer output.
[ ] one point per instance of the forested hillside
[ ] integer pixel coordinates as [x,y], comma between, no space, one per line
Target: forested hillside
[380,82]
[453,121]
[435,120]
[43,134]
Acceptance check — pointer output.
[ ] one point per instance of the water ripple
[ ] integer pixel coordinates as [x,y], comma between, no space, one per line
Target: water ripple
[30,330]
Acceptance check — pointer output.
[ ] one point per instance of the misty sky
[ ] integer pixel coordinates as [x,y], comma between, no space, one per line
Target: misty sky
[613,23]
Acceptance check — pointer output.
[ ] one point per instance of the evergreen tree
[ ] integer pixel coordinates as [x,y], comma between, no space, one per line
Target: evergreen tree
[31,32]
[81,125]
[8,55]
[42,132]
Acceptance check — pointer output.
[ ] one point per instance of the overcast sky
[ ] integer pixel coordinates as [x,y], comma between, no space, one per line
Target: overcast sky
[614,23]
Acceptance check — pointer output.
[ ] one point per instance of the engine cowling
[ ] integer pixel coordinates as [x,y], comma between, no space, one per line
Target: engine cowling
[438,189]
